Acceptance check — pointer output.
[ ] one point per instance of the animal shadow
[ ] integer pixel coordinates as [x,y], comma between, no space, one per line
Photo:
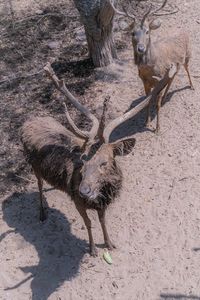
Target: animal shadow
[133,125]
[166,100]
[137,123]
[59,251]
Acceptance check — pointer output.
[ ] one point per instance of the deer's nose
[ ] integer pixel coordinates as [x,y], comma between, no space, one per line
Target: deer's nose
[141,48]
[84,190]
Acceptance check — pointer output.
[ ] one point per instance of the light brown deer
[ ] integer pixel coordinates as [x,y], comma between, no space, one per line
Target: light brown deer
[153,59]
[78,162]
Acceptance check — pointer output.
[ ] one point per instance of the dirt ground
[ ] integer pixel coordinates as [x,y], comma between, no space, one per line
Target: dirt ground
[155,222]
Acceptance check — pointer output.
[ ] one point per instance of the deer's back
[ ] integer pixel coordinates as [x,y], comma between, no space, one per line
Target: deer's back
[52,150]
[172,49]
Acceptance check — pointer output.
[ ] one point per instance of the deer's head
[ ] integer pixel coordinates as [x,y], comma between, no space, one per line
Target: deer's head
[99,168]
[141,34]
[141,28]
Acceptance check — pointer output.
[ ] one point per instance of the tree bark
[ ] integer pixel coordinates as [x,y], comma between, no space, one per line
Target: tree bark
[97,17]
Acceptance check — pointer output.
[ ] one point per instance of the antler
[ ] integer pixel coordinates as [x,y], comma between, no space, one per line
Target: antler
[80,133]
[146,15]
[60,85]
[159,87]
[153,12]
[161,7]
[126,14]
[123,13]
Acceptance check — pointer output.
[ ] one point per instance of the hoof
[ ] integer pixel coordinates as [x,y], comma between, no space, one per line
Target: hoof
[93,251]
[43,216]
[110,246]
[148,124]
[157,131]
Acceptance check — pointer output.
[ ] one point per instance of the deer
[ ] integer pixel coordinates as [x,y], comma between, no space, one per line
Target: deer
[80,163]
[153,59]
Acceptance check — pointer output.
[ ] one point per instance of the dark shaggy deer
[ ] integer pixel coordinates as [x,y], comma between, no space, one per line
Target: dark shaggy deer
[154,59]
[80,163]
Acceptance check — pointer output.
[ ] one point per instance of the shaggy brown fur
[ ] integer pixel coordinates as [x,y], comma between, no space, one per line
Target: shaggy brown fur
[56,156]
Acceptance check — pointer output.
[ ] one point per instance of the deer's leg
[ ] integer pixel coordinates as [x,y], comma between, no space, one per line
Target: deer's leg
[159,101]
[108,243]
[147,89]
[188,73]
[161,97]
[40,186]
[167,88]
[82,211]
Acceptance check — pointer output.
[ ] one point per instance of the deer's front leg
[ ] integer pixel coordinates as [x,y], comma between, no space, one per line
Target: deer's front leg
[167,88]
[108,243]
[147,89]
[159,101]
[82,211]
[40,186]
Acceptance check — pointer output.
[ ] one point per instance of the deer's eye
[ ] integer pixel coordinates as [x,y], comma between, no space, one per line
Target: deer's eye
[103,164]
[147,32]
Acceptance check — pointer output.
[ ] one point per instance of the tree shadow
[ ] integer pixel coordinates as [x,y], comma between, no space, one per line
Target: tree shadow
[178,296]
[79,68]
[59,251]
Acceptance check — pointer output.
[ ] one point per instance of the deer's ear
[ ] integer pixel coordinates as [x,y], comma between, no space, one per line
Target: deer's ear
[123,147]
[155,24]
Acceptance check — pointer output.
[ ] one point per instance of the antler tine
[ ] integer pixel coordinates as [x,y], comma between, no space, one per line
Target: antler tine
[102,121]
[80,133]
[122,13]
[146,15]
[60,85]
[161,7]
[159,87]
[153,12]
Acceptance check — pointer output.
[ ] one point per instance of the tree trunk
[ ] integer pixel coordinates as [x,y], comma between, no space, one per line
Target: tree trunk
[97,17]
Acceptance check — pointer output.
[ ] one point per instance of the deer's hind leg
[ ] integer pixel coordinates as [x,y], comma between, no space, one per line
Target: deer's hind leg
[188,73]
[40,186]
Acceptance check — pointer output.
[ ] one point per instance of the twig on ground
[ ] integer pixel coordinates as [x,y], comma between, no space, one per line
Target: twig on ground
[10,79]
[89,269]
[73,30]
[12,12]
[172,188]
[50,15]
[195,76]
[25,179]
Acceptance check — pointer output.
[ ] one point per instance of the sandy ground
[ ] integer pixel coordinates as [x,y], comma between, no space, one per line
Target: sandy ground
[155,222]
